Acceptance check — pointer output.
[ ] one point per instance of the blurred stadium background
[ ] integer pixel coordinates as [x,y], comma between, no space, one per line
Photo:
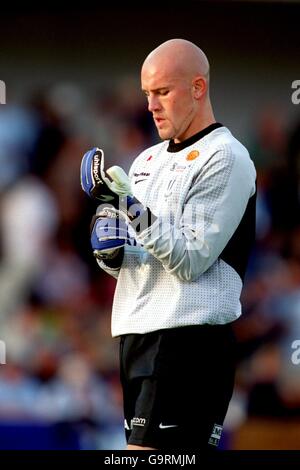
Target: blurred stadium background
[72,82]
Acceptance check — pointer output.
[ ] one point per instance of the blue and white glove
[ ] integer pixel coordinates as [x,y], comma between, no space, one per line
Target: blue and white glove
[116,191]
[109,233]
[95,182]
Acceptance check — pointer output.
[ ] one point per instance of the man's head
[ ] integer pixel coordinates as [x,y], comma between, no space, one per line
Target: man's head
[175,78]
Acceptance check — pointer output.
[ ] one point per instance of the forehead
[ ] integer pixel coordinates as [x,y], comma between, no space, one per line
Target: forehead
[153,78]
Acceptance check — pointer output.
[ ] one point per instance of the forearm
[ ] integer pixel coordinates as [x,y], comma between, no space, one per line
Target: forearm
[181,251]
[210,216]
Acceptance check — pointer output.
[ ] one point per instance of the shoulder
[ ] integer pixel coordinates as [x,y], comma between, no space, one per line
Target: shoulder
[228,162]
[151,151]
[148,153]
[223,145]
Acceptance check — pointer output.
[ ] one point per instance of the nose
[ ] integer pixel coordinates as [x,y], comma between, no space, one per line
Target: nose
[153,103]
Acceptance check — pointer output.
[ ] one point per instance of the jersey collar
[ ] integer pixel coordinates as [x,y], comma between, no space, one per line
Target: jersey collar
[176,147]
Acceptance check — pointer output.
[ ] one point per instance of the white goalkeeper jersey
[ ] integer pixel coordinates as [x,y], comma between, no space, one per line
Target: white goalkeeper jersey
[188,266]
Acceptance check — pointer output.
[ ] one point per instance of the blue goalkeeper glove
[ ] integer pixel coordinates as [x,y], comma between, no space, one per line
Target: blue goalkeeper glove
[117,191]
[96,183]
[109,233]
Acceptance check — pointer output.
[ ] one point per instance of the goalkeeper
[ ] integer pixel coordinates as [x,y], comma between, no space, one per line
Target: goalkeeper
[176,233]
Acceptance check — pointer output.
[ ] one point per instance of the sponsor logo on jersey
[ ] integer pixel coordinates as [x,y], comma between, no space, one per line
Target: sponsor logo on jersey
[142,174]
[192,155]
[149,158]
[168,191]
[215,436]
[178,168]
[138,181]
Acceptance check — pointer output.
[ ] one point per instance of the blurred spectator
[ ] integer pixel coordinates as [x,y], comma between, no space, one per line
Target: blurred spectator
[28,216]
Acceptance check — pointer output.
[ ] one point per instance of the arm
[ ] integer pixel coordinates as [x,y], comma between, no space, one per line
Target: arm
[212,212]
[113,265]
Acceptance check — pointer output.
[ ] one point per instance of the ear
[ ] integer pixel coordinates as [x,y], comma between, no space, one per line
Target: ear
[199,87]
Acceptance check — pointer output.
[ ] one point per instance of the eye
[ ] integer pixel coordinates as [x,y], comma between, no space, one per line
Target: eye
[164,92]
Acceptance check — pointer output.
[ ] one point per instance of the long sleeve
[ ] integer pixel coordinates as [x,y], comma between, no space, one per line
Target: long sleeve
[112,266]
[212,211]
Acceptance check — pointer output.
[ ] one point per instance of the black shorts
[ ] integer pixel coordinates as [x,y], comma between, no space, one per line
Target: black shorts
[177,384]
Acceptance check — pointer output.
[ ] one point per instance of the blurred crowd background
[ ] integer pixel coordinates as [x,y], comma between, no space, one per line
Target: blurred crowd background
[72,82]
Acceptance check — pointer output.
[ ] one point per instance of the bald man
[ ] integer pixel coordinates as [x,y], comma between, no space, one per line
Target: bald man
[175,79]
[185,227]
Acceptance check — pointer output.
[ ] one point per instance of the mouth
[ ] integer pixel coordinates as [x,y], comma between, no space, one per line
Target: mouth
[158,121]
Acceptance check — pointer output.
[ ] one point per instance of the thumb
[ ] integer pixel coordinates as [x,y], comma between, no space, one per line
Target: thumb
[117,174]
[121,182]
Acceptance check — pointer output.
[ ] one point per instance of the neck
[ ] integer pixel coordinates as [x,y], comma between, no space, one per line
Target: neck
[204,119]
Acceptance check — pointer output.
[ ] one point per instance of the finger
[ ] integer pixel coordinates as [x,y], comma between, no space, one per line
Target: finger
[121,182]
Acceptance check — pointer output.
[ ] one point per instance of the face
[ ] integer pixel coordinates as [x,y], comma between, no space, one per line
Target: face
[171,102]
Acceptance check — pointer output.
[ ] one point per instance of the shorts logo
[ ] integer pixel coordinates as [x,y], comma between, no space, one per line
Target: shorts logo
[126,425]
[165,426]
[215,436]
[137,422]
[192,155]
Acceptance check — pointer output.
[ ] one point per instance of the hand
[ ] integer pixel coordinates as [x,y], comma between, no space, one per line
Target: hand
[109,233]
[116,191]
[95,182]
